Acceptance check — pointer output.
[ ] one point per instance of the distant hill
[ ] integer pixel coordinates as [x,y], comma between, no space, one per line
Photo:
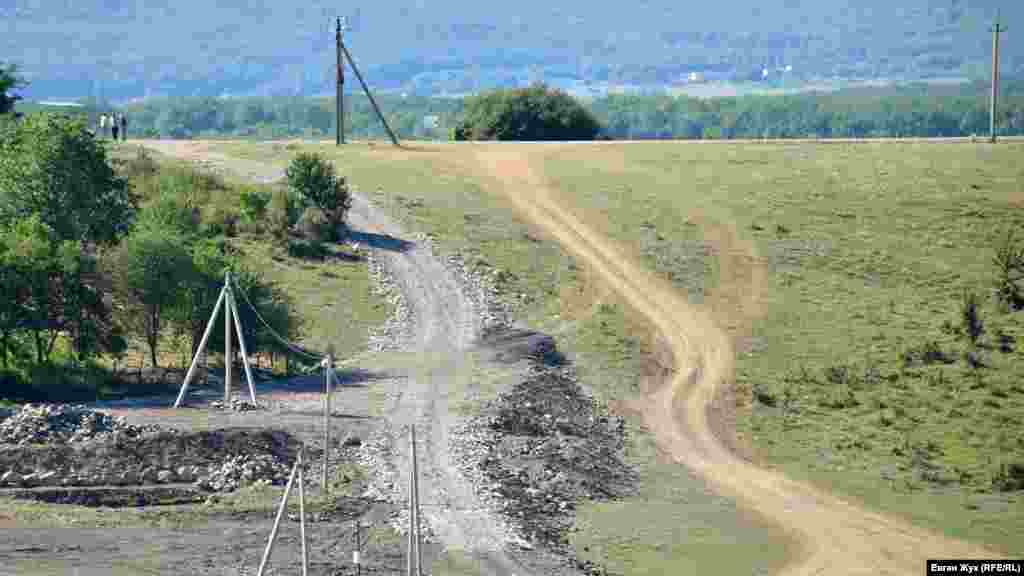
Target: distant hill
[117,49]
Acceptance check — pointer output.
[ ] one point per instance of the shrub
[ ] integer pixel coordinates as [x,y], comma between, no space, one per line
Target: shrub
[970,318]
[279,213]
[534,113]
[315,225]
[253,203]
[315,179]
[307,249]
[141,166]
[1009,264]
[219,220]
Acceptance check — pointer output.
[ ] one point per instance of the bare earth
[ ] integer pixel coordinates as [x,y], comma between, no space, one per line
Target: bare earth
[834,536]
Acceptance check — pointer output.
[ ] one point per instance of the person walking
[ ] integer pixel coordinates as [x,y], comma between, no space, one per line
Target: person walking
[103,125]
[124,127]
[113,125]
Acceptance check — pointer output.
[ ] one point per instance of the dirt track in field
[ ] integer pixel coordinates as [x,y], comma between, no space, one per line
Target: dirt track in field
[833,535]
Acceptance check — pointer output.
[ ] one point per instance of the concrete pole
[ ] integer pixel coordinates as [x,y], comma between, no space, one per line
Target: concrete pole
[202,347]
[328,368]
[227,342]
[241,346]
[340,101]
[996,30]
[416,505]
[412,507]
[302,514]
[277,520]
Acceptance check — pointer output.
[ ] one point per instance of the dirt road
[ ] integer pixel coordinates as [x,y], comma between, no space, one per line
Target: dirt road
[445,323]
[834,536]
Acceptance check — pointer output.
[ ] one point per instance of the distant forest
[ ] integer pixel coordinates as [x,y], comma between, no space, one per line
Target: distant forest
[913,110]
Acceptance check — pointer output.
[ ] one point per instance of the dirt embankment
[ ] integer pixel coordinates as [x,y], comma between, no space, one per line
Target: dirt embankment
[835,536]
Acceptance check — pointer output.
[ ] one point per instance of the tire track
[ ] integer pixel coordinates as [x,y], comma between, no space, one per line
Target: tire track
[835,536]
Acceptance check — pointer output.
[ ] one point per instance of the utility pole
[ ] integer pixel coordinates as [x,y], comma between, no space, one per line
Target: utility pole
[227,340]
[996,30]
[340,100]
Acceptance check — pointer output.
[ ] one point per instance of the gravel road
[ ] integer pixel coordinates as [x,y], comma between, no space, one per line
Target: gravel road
[443,324]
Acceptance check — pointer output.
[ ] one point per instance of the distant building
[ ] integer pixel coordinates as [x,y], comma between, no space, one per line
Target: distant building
[695,77]
[60,104]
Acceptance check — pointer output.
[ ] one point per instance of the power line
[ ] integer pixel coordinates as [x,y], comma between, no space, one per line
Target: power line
[288,344]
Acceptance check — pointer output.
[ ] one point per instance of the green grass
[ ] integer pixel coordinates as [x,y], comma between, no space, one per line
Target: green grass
[877,243]
[673,525]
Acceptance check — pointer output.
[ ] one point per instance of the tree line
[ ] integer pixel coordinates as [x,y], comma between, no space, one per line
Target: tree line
[857,112]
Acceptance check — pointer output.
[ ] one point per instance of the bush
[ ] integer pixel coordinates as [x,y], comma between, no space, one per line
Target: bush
[278,214]
[970,318]
[307,249]
[315,225]
[534,113]
[219,220]
[141,166]
[253,203]
[315,179]
[1009,264]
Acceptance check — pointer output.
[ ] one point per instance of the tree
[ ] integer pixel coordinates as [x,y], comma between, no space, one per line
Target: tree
[51,289]
[534,113]
[52,166]
[152,267]
[315,179]
[9,80]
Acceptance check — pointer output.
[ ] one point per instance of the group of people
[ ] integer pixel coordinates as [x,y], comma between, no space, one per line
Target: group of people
[116,123]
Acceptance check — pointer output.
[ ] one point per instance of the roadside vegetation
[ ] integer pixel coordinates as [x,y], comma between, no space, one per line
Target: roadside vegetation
[113,262]
[881,357]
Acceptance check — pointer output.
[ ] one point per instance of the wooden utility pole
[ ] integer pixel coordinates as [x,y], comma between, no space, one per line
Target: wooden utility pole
[996,30]
[340,100]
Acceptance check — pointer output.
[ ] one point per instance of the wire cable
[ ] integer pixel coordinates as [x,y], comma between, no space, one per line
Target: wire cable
[291,346]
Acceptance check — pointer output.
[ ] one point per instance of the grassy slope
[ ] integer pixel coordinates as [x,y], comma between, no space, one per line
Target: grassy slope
[881,241]
[333,289]
[673,524]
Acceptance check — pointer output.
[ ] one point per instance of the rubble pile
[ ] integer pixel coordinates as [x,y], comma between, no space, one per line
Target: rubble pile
[542,448]
[237,405]
[64,424]
[243,470]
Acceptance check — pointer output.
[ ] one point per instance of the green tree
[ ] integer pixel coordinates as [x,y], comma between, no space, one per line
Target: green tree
[9,80]
[534,113]
[53,289]
[152,267]
[52,166]
[315,179]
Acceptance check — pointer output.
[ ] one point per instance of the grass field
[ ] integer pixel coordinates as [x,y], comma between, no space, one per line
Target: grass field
[851,346]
